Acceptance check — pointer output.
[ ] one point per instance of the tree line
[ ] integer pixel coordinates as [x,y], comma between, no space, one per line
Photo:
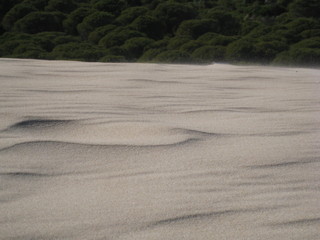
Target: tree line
[282,32]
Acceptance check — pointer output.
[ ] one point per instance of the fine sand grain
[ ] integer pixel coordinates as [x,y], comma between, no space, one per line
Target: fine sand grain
[99,151]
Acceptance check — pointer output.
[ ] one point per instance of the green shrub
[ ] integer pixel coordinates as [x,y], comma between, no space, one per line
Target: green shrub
[149,25]
[36,22]
[197,27]
[47,39]
[112,6]
[94,20]
[7,5]
[78,51]
[118,37]
[303,8]
[299,57]
[209,54]
[130,14]
[190,46]
[65,6]
[150,54]
[173,13]
[76,17]
[241,50]
[15,13]
[117,51]
[100,32]
[216,39]
[176,42]
[112,58]
[173,56]
[266,51]
[227,23]
[135,46]
[160,44]
[39,4]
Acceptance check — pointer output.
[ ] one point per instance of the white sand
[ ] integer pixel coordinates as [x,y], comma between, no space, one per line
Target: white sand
[147,151]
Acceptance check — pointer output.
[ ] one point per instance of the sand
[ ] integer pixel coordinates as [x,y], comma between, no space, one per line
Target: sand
[151,151]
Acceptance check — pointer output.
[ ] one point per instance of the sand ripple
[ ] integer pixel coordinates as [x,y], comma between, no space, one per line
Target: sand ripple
[152,151]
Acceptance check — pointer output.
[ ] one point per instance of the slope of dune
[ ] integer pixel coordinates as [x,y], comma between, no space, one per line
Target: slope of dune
[152,151]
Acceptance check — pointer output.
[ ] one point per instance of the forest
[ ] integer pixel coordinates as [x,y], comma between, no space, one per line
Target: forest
[277,32]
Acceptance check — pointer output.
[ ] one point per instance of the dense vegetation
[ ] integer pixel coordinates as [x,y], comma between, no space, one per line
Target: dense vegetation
[185,31]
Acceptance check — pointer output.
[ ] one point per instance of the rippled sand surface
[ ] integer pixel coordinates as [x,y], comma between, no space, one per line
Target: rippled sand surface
[146,151]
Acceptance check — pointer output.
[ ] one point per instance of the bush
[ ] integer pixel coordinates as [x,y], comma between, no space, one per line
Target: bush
[15,13]
[190,46]
[65,6]
[100,32]
[197,27]
[112,6]
[173,13]
[173,56]
[135,46]
[228,24]
[150,54]
[216,39]
[112,58]
[36,22]
[209,54]
[128,15]
[7,5]
[118,37]
[266,51]
[47,40]
[149,25]
[39,4]
[76,17]
[241,50]
[303,8]
[176,42]
[78,51]
[94,20]
[116,51]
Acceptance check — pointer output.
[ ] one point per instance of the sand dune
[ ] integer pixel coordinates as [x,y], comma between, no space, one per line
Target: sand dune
[152,151]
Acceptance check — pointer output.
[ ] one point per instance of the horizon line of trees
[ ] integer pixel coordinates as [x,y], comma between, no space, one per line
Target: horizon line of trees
[282,32]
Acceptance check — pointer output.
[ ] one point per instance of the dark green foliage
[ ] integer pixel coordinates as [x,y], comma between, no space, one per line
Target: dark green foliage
[197,27]
[241,50]
[112,6]
[100,32]
[259,31]
[36,22]
[192,45]
[65,6]
[150,55]
[113,58]
[149,25]
[6,5]
[94,20]
[172,14]
[227,23]
[305,53]
[78,51]
[216,39]
[118,37]
[265,51]
[209,54]
[15,13]
[135,46]
[76,17]
[39,4]
[306,8]
[128,15]
[173,56]
[177,42]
